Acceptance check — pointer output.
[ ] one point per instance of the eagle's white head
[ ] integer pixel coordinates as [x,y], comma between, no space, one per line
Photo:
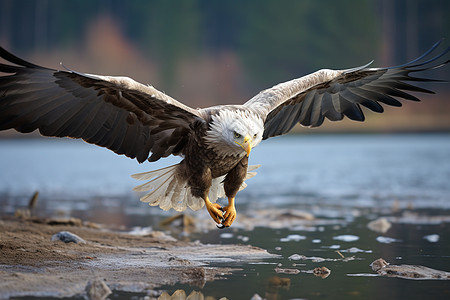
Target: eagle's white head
[234,132]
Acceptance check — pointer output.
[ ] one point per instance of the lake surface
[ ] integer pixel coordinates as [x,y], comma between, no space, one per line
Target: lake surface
[345,181]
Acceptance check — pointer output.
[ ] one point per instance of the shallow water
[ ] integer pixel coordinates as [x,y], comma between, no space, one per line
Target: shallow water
[344,180]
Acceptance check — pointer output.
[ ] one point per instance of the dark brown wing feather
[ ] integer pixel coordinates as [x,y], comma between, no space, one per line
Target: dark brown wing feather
[335,94]
[113,112]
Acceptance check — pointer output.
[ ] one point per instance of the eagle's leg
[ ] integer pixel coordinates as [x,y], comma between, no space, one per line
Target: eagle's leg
[214,210]
[200,182]
[230,213]
[232,184]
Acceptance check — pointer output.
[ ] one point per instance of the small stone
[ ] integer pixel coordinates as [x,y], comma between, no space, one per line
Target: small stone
[67,237]
[97,290]
[322,272]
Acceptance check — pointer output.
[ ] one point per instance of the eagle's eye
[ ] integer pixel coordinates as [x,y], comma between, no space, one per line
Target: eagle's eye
[255,135]
[237,135]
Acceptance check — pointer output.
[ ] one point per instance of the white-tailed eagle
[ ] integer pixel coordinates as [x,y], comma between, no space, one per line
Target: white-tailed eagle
[141,122]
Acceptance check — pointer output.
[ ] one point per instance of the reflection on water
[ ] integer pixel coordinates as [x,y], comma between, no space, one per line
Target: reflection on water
[346,181]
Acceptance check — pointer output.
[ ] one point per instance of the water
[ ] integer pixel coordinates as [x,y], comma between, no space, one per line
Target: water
[344,180]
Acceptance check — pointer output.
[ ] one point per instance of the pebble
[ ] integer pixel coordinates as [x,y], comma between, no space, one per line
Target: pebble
[67,237]
[322,272]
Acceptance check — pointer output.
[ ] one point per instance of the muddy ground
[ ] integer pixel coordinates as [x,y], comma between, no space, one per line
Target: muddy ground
[32,264]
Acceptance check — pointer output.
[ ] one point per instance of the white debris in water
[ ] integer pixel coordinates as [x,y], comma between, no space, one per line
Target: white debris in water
[262,263]
[346,238]
[287,271]
[316,241]
[226,235]
[356,250]
[386,240]
[332,247]
[296,257]
[432,238]
[243,238]
[363,275]
[293,237]
[278,248]
[256,297]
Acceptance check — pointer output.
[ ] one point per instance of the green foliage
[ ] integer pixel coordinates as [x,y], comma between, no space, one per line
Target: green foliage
[291,38]
[274,40]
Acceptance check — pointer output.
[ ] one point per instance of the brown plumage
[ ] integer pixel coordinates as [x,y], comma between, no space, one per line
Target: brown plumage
[141,122]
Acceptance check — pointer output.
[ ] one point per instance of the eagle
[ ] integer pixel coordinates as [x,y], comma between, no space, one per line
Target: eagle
[143,123]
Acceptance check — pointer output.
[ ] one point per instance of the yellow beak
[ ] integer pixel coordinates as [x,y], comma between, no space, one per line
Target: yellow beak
[247,145]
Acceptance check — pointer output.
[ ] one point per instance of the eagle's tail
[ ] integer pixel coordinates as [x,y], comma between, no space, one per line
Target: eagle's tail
[170,191]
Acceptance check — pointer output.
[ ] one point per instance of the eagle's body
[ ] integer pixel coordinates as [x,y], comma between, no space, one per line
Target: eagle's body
[141,122]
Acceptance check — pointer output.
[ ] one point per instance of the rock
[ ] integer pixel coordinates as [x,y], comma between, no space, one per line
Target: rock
[383,268]
[97,290]
[378,264]
[381,225]
[67,237]
[322,272]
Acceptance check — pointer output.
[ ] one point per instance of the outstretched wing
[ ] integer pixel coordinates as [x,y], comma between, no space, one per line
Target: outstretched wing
[333,94]
[113,112]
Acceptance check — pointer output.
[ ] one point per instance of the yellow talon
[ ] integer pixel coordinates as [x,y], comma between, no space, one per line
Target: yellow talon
[230,213]
[214,210]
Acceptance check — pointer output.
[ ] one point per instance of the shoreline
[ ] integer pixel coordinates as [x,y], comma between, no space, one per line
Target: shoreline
[33,265]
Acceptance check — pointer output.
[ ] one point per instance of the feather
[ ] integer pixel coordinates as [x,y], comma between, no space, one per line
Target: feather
[171,191]
[56,103]
[333,94]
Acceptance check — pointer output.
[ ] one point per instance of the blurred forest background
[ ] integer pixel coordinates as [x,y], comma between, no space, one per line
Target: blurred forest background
[205,52]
